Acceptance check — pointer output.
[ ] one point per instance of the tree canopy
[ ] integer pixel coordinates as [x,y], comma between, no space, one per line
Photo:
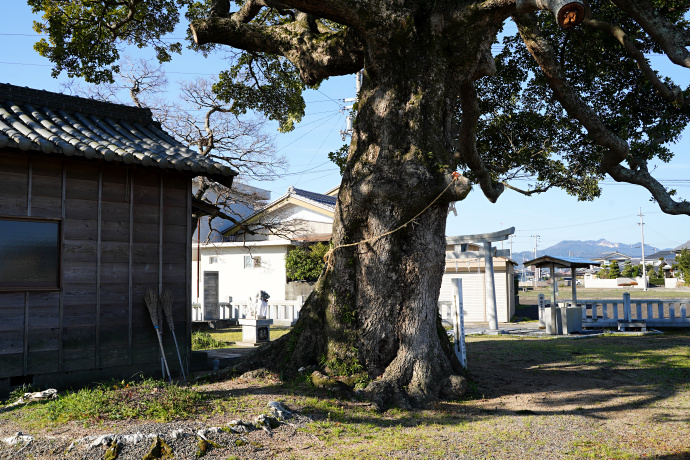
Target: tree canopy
[568,99]
[683,261]
[305,263]
[559,114]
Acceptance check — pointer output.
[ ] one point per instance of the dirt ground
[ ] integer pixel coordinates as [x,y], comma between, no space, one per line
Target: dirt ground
[605,397]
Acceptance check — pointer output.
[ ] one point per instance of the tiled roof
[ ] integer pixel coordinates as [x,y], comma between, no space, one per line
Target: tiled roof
[57,124]
[320,200]
[318,197]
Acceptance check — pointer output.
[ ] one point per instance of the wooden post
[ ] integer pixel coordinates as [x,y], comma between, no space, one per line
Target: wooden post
[554,285]
[130,268]
[61,320]
[459,323]
[99,231]
[491,312]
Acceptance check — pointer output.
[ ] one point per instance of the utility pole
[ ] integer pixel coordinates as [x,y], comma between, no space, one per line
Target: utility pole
[644,266]
[358,87]
[511,246]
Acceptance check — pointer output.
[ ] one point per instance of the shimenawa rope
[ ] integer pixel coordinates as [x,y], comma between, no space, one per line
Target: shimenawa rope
[328,257]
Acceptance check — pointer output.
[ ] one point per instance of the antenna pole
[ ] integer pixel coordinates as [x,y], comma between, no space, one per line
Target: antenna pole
[644,265]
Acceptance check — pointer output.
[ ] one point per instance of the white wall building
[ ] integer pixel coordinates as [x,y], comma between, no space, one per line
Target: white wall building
[474,295]
[246,263]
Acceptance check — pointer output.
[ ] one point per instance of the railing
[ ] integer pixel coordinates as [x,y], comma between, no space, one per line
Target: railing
[281,312]
[285,311]
[197,312]
[445,309]
[655,312]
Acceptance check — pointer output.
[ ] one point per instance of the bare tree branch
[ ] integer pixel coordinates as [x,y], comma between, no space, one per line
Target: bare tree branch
[528,192]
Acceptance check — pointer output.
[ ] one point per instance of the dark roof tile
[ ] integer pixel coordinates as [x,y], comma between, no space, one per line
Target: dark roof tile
[38,120]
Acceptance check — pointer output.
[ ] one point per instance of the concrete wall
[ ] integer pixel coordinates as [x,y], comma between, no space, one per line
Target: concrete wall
[618,283]
[293,289]
[234,279]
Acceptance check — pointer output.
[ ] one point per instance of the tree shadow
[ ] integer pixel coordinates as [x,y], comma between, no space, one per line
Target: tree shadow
[608,373]
[593,378]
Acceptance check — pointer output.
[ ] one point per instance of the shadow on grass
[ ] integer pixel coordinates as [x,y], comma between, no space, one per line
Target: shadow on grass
[612,373]
[590,378]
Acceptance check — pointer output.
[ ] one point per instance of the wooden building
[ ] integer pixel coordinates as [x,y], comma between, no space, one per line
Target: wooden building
[95,209]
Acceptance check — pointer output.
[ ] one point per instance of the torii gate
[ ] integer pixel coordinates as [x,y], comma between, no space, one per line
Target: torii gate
[488,253]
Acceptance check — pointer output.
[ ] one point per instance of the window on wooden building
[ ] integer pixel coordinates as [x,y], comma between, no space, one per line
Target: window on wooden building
[29,254]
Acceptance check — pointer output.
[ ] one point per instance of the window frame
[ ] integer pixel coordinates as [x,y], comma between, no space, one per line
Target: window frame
[251,263]
[60,246]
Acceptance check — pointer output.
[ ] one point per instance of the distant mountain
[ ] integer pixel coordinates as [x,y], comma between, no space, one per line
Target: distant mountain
[586,249]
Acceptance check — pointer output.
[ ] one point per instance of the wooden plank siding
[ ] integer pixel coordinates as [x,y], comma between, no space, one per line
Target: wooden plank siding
[112,219]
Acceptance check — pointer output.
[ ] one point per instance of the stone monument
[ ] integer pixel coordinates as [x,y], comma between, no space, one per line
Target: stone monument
[256,328]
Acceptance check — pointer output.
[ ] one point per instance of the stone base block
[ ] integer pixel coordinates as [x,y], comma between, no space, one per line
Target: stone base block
[256,331]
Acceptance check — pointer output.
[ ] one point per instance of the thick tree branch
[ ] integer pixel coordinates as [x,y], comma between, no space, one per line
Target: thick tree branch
[467,142]
[674,94]
[316,55]
[641,176]
[132,7]
[671,39]
[618,149]
[543,53]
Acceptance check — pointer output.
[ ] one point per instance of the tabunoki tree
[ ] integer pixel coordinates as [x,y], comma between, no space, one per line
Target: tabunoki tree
[566,101]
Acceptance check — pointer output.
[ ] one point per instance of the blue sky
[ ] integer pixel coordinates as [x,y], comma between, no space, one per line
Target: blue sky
[553,216]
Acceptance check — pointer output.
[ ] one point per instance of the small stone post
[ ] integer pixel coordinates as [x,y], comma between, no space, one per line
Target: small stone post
[626,306]
[542,324]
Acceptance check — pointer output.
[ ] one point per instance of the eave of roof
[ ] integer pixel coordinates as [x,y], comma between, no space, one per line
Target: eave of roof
[561,262]
[318,200]
[56,124]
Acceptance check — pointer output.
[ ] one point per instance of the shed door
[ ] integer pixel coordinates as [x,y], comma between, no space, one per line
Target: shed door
[210,295]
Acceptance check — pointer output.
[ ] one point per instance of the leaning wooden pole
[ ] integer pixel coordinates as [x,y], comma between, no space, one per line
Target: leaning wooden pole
[166,301]
[151,301]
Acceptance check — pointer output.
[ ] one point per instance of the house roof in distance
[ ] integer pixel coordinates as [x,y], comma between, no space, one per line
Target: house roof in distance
[325,203]
[613,256]
[685,245]
[34,120]
[320,198]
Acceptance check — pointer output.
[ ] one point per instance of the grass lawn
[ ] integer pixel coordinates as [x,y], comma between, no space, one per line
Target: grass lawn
[222,338]
[605,397]
[532,296]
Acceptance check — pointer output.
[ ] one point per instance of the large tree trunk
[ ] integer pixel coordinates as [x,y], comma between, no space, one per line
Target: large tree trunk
[375,307]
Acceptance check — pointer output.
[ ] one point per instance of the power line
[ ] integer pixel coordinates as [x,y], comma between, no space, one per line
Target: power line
[575,225]
[308,132]
[316,152]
